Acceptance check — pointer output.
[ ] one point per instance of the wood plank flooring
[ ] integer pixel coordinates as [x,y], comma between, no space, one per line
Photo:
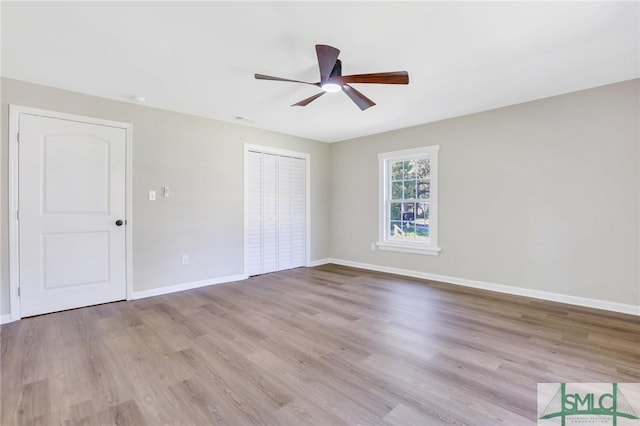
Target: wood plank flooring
[318,346]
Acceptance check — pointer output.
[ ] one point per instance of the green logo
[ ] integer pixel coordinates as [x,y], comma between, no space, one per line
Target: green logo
[584,404]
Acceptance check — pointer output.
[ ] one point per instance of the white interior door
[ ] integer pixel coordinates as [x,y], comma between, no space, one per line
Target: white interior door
[71,198]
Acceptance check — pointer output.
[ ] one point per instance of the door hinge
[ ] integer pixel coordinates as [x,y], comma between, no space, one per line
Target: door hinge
[17,214]
[18,137]
[18,291]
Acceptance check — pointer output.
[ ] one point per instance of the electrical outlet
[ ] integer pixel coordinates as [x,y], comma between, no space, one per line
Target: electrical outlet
[373,247]
[185,259]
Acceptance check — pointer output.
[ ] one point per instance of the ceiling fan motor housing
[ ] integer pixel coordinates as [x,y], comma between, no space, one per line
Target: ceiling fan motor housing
[337,69]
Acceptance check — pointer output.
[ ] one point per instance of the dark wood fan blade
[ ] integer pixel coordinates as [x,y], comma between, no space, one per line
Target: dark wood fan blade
[310,99]
[361,100]
[268,77]
[327,57]
[396,77]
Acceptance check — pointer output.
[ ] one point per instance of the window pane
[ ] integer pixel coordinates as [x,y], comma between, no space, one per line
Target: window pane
[408,212]
[423,168]
[408,218]
[395,230]
[422,233]
[409,169]
[422,213]
[409,189]
[396,190]
[409,231]
[396,211]
[396,170]
[424,189]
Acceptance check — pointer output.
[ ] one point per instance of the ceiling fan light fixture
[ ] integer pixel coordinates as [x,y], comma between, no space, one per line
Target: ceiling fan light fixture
[331,87]
[332,80]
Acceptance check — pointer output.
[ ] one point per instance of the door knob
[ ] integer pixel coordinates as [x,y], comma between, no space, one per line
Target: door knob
[119,222]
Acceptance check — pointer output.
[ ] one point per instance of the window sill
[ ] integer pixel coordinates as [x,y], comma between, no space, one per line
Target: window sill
[409,248]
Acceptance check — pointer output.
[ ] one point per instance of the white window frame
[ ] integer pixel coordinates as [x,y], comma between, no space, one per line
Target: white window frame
[384,164]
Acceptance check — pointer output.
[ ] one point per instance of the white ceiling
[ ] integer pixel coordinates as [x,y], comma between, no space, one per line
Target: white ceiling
[199,58]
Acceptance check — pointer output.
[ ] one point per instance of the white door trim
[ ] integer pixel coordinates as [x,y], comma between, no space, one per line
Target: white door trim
[15,111]
[285,153]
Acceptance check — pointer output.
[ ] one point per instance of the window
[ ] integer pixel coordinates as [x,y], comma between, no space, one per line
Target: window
[409,200]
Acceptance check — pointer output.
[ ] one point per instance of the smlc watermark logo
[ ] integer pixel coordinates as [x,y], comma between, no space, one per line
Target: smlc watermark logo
[591,404]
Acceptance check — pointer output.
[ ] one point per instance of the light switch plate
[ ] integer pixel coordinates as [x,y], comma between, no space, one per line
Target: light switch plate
[152,195]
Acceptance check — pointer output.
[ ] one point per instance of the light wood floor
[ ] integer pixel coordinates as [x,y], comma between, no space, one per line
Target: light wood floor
[327,346]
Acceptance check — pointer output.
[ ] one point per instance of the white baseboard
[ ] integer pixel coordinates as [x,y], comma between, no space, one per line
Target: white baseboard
[536,294]
[185,286]
[318,262]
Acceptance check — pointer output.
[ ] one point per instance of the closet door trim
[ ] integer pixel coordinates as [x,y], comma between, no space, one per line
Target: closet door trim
[283,153]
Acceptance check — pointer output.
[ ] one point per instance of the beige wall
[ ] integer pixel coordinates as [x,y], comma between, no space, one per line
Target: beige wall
[201,161]
[542,195]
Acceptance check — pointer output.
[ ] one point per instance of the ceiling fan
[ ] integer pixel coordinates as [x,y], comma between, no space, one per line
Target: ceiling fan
[332,80]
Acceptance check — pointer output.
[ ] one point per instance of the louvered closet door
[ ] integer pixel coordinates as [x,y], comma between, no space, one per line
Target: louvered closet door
[254,213]
[291,213]
[269,213]
[298,187]
[285,252]
[277,213]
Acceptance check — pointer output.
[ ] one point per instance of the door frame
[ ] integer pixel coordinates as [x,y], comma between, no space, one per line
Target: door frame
[15,111]
[285,153]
